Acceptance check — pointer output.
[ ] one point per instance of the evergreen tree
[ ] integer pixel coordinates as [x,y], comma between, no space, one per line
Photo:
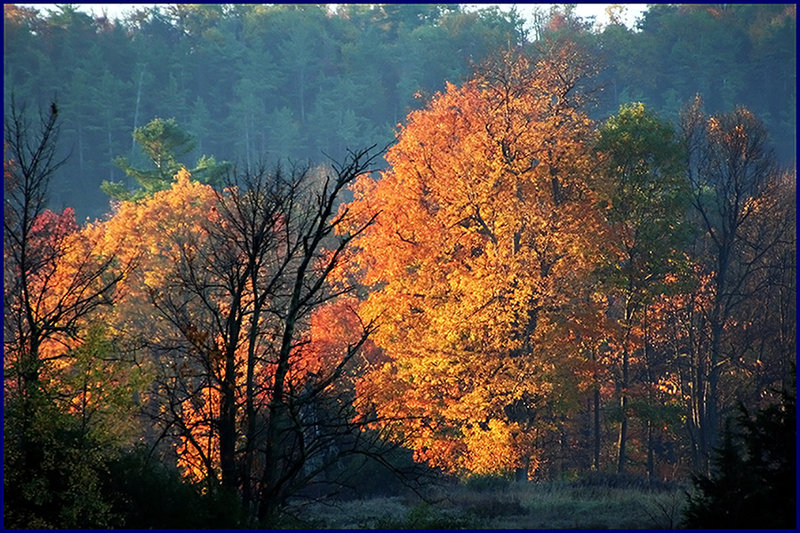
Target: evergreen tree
[753,485]
[163,142]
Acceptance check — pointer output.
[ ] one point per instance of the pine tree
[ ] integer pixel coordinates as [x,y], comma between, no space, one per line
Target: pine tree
[753,485]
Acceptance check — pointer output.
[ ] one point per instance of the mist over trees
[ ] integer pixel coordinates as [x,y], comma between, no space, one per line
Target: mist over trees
[353,251]
[301,81]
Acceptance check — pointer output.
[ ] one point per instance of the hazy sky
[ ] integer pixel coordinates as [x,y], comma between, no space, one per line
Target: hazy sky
[524,9]
[598,11]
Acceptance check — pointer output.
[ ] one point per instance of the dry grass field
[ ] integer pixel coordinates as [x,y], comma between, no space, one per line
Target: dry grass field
[556,505]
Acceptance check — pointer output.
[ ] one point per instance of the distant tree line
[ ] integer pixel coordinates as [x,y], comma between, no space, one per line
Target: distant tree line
[301,81]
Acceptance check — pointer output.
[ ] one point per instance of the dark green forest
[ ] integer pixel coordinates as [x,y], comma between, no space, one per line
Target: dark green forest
[304,83]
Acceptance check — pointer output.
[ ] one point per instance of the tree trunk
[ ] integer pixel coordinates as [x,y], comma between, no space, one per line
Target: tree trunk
[596,457]
[248,489]
[623,404]
[247,143]
[623,400]
[623,435]
[228,408]
[651,400]
[650,455]
[595,423]
[696,398]
[136,110]
[522,471]
[80,151]
[271,479]
[227,426]
[711,422]
[110,154]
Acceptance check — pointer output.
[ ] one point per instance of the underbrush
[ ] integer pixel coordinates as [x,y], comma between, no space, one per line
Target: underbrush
[589,503]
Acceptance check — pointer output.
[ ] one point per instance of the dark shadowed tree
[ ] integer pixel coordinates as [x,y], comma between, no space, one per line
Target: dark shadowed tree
[732,173]
[54,281]
[753,480]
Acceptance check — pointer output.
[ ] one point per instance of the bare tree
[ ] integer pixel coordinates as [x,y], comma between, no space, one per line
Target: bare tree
[239,302]
[39,306]
[732,171]
[55,280]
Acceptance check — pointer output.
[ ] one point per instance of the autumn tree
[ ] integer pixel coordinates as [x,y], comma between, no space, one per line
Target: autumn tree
[644,189]
[253,400]
[52,277]
[734,180]
[56,280]
[478,265]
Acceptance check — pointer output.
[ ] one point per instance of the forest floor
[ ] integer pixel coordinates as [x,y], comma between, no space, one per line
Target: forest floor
[554,505]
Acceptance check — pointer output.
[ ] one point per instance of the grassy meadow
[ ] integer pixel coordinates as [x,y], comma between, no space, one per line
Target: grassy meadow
[506,505]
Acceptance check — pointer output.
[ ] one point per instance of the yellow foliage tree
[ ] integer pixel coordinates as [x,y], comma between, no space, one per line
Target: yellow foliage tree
[159,234]
[479,263]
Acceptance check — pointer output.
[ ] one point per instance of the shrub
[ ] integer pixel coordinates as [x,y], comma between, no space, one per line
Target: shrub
[148,494]
[753,484]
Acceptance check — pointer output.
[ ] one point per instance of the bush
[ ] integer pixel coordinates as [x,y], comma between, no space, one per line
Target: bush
[615,480]
[148,494]
[53,469]
[487,483]
[753,484]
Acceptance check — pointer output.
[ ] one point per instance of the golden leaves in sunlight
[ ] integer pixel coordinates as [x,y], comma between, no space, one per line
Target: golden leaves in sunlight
[477,260]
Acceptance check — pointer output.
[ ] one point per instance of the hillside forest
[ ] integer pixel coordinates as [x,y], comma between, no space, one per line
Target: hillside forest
[256,255]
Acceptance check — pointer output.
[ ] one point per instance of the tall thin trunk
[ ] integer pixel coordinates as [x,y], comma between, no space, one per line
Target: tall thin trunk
[248,494]
[136,110]
[80,150]
[623,426]
[623,400]
[596,428]
[521,473]
[270,483]
[710,428]
[271,480]
[596,417]
[110,153]
[247,142]
[228,408]
[651,399]
[711,420]
[651,464]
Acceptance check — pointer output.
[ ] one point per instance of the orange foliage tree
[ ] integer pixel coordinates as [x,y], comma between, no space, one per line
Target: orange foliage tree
[479,265]
[60,378]
[57,277]
[228,285]
[162,232]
